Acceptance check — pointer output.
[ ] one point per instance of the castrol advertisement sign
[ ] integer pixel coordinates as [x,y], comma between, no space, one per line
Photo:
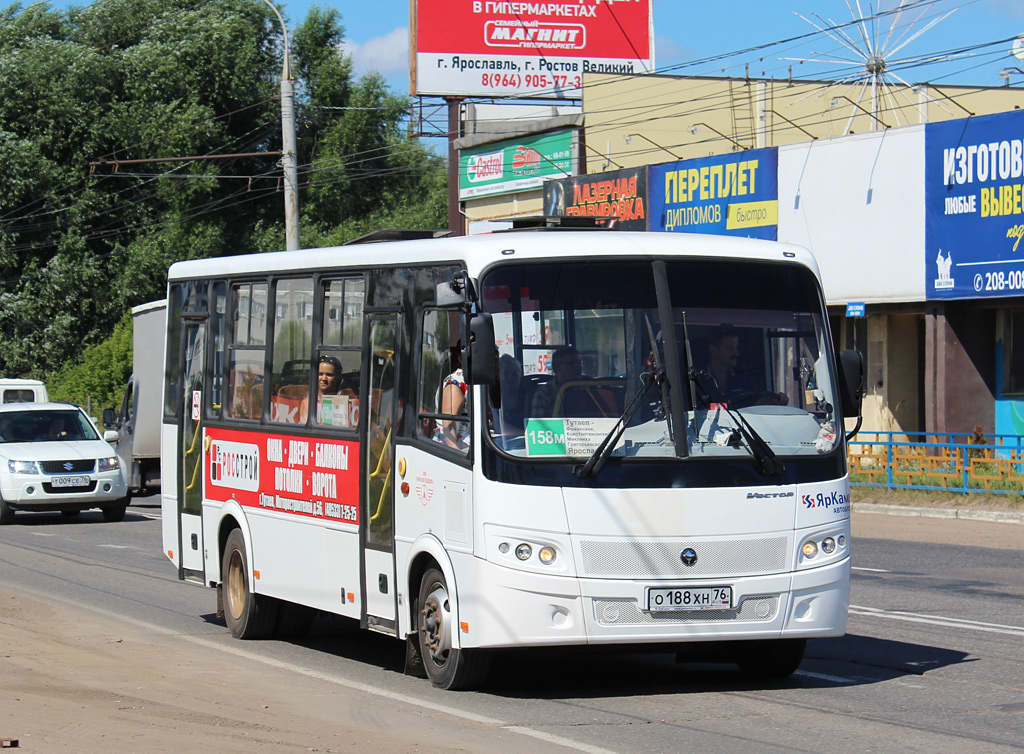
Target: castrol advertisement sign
[315,478]
[488,48]
[516,165]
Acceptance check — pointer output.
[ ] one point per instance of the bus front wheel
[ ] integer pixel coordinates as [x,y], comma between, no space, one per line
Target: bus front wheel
[248,615]
[774,658]
[446,667]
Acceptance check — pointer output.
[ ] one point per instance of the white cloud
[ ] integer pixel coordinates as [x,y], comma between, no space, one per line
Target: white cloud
[388,55]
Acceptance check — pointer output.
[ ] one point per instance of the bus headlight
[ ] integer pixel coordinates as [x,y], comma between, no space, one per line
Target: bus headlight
[524,551]
[828,545]
[546,555]
[810,549]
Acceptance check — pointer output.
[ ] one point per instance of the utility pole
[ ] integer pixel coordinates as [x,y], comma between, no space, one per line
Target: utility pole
[455,222]
[289,160]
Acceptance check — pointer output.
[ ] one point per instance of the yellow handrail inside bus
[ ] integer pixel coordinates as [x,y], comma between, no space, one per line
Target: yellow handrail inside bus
[383,495]
[195,439]
[199,461]
[385,451]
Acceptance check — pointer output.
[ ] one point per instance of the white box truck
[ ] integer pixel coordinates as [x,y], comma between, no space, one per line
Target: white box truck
[138,421]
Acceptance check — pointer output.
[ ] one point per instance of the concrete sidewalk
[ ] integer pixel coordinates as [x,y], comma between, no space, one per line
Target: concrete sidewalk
[967,514]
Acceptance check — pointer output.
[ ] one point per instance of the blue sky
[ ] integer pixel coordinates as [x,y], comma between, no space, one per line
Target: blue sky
[687,31]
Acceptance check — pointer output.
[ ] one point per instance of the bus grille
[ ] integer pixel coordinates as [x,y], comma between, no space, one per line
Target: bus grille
[627,612]
[661,559]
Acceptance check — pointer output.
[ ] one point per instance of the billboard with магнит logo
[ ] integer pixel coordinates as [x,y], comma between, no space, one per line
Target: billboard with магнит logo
[514,48]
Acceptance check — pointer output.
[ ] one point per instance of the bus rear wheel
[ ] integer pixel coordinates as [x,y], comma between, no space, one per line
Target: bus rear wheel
[446,666]
[248,615]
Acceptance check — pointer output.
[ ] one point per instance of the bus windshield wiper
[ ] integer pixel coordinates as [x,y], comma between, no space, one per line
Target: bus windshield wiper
[767,461]
[600,455]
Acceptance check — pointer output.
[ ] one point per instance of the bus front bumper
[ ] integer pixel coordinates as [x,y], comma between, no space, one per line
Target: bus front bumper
[508,608]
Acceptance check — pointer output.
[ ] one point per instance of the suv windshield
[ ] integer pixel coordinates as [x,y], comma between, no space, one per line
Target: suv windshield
[583,345]
[45,426]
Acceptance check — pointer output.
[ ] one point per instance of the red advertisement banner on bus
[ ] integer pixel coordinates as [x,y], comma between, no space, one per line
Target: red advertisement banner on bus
[534,49]
[303,476]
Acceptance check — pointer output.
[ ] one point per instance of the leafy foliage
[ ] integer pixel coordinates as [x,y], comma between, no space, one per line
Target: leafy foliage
[100,375]
[144,79]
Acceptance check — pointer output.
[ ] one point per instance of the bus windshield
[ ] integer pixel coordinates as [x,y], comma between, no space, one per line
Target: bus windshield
[584,347]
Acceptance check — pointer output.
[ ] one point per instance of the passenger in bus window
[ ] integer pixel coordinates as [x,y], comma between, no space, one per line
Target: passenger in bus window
[454,434]
[579,399]
[328,382]
[508,420]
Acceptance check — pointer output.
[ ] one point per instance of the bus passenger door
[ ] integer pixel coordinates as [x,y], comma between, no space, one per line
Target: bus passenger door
[378,511]
[190,479]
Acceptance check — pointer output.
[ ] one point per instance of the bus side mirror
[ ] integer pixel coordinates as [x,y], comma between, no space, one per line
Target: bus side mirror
[851,382]
[483,353]
[458,291]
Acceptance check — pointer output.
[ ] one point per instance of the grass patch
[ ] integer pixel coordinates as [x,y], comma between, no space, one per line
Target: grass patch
[936,499]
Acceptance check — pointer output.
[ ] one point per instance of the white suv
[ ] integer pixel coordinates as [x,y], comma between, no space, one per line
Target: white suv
[53,459]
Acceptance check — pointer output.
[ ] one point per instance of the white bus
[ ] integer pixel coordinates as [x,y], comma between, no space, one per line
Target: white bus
[644,445]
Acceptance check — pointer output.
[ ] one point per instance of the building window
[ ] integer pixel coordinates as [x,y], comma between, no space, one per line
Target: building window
[1013,351]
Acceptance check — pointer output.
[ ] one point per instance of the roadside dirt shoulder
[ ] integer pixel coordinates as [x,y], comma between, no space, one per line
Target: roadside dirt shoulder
[70,682]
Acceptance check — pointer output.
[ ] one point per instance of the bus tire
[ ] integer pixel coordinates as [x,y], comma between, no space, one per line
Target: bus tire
[293,621]
[248,615]
[445,666]
[773,658]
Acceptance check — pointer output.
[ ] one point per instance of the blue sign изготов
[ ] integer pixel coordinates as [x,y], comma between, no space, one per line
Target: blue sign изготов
[974,199]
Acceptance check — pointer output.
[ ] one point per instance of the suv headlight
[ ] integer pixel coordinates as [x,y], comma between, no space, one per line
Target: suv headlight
[23,467]
[107,464]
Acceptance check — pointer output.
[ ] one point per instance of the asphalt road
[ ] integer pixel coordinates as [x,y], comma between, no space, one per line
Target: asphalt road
[934,658]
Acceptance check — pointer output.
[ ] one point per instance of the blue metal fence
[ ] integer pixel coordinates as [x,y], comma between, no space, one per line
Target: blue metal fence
[945,461]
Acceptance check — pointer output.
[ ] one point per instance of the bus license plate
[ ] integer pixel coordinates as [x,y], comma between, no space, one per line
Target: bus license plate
[70,481]
[688,598]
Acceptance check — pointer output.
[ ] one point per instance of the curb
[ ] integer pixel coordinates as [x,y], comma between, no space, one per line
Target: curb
[967,514]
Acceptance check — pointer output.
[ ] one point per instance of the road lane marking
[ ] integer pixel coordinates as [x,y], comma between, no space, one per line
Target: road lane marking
[823,677]
[937,620]
[365,688]
[872,570]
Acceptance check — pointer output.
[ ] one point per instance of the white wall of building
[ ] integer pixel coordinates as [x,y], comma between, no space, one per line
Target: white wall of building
[857,203]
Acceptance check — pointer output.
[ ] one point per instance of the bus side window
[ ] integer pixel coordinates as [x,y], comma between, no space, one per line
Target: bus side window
[292,339]
[218,317]
[340,351]
[443,393]
[246,355]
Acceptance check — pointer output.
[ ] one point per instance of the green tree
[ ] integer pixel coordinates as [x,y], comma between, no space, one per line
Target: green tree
[142,79]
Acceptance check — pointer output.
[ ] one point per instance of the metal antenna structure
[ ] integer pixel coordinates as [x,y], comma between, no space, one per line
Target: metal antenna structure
[870,52]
